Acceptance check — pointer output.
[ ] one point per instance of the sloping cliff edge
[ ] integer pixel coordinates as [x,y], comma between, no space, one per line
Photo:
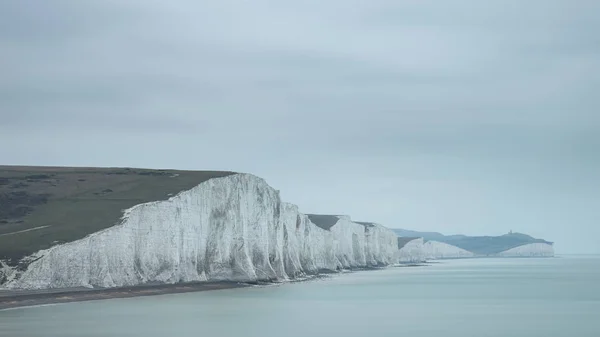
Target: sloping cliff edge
[434,250]
[483,246]
[416,249]
[234,228]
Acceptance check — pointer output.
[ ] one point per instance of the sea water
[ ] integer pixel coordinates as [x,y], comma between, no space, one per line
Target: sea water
[477,297]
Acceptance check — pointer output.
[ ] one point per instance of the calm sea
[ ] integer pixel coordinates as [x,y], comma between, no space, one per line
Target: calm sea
[482,297]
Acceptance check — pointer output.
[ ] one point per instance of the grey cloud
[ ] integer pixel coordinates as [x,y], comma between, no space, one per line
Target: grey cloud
[47,23]
[456,116]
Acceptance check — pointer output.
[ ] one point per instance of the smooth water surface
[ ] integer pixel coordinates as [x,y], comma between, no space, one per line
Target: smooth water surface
[479,297]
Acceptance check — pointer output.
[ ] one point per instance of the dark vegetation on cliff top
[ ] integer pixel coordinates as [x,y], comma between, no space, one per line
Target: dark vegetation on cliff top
[403,240]
[481,245]
[323,221]
[44,206]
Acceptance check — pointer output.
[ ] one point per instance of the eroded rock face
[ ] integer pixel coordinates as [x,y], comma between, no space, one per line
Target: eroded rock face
[230,228]
[6,273]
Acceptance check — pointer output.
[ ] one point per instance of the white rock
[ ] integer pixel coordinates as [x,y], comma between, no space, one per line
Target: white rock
[530,250]
[382,245]
[411,252]
[232,228]
[433,250]
[6,273]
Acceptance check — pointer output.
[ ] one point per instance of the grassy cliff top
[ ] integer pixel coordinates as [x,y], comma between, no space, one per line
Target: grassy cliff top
[323,221]
[44,206]
[366,224]
[403,240]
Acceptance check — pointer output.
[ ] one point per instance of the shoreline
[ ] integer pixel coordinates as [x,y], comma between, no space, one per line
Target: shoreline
[26,298]
[11,299]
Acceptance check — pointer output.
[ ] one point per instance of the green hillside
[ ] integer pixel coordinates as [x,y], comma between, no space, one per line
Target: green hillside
[43,206]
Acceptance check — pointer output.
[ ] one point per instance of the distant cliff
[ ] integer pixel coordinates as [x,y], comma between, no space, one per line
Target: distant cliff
[410,250]
[512,244]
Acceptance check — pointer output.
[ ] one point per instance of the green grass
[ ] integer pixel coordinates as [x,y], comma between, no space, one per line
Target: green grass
[80,201]
[323,221]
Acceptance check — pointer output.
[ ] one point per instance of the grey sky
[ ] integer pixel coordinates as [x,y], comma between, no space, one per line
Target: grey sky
[458,116]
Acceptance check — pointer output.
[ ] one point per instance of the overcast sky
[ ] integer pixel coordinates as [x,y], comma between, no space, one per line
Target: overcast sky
[474,117]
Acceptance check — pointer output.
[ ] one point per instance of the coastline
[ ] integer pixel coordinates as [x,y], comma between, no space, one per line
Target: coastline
[25,298]
[10,299]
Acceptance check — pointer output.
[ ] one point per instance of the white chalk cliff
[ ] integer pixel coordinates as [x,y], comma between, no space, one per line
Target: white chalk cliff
[433,250]
[411,252]
[6,273]
[530,250]
[231,228]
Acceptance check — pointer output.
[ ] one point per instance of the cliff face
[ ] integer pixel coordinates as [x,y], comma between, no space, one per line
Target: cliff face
[441,250]
[227,228]
[6,273]
[530,250]
[410,250]
[230,228]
